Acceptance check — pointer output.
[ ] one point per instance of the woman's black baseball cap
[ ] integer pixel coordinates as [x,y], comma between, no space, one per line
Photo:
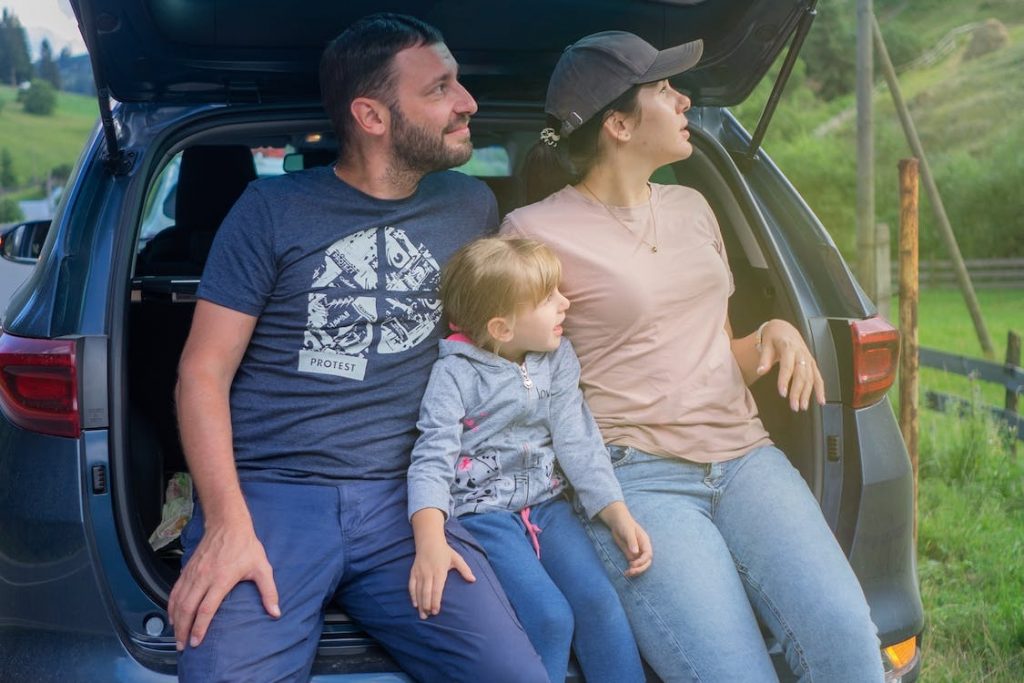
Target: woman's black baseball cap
[596,69]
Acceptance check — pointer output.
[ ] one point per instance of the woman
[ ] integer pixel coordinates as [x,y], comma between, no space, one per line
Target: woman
[737,535]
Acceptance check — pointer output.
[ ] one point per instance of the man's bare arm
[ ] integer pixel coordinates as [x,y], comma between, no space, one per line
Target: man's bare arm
[229,551]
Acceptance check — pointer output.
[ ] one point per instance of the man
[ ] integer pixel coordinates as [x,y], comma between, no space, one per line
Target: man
[300,382]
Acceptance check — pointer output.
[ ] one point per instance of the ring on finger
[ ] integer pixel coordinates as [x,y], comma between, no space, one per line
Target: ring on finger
[802,361]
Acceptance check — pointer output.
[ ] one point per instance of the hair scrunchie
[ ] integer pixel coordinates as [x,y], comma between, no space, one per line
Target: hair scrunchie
[549,137]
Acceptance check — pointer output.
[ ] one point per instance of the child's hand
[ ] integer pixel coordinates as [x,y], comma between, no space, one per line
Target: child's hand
[629,536]
[434,559]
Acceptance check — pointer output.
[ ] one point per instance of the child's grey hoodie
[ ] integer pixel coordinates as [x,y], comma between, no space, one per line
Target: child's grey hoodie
[488,442]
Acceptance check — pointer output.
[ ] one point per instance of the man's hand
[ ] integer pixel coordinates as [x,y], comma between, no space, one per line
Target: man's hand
[799,376]
[631,538]
[434,559]
[226,555]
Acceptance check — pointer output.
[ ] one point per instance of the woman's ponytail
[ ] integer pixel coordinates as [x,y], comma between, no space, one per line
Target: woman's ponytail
[547,168]
[556,161]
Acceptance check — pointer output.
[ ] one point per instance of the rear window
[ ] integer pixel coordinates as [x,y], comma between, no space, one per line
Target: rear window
[488,162]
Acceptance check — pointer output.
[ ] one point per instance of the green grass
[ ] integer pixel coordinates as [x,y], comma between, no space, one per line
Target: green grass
[945,324]
[39,143]
[970,552]
[970,508]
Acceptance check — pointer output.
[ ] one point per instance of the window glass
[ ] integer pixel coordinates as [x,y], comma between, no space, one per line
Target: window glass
[488,162]
[158,213]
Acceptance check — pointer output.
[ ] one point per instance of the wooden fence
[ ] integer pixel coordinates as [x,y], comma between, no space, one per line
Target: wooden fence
[1009,375]
[995,273]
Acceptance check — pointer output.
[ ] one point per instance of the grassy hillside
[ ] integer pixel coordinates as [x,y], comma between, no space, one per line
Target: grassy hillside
[969,116]
[39,143]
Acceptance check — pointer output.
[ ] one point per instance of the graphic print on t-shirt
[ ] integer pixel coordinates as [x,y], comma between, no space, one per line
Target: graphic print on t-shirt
[345,301]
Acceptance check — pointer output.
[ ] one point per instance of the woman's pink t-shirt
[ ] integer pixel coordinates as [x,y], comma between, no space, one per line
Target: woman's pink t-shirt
[649,328]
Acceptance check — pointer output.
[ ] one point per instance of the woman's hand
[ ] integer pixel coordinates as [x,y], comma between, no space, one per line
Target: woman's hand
[631,538]
[798,372]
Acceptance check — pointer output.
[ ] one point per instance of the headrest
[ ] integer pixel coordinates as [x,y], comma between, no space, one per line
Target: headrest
[210,180]
[508,190]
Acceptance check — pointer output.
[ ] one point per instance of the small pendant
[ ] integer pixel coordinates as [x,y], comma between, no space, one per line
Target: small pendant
[654,249]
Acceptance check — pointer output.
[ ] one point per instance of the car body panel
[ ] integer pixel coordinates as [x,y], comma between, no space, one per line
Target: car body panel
[882,551]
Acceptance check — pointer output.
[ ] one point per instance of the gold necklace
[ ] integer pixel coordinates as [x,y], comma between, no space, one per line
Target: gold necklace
[650,207]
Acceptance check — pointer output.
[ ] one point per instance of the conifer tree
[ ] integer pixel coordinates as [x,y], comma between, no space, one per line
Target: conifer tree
[48,69]
[15,62]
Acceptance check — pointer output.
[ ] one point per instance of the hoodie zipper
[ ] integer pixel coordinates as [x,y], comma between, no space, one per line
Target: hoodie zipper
[527,382]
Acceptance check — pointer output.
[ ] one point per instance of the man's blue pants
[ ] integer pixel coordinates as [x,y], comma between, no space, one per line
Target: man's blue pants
[351,543]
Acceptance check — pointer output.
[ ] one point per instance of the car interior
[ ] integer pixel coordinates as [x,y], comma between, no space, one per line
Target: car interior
[213,171]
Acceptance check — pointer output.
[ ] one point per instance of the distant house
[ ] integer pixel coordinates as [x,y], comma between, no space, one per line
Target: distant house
[40,209]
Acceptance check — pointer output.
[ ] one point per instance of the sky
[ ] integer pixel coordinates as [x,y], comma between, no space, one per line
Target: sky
[51,19]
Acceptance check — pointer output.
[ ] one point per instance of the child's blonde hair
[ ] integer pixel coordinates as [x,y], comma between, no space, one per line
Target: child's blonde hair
[490,278]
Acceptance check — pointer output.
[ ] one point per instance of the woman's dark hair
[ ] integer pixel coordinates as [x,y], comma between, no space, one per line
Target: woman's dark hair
[548,169]
[358,63]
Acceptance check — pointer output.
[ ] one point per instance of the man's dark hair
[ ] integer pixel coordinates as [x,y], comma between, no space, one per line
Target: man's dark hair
[358,63]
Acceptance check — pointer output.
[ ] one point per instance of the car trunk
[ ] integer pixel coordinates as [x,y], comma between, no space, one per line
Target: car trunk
[168,258]
[260,59]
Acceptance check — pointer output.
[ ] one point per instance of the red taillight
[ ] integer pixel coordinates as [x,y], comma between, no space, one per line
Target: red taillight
[39,384]
[876,356]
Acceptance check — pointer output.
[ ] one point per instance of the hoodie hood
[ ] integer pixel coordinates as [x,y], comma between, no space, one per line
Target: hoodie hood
[452,346]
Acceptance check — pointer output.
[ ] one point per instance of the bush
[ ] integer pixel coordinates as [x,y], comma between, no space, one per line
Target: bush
[8,179]
[40,99]
[991,36]
[61,172]
[10,211]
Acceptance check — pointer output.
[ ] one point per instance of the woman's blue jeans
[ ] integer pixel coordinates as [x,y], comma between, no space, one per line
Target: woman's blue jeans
[735,542]
[568,580]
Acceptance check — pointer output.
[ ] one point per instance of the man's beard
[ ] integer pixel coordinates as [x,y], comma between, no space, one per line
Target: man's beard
[418,150]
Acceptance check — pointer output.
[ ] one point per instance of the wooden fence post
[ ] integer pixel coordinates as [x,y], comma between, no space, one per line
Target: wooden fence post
[1012,359]
[908,314]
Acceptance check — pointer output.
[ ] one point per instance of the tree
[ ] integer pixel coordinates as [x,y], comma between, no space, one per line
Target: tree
[40,99]
[829,50]
[7,177]
[48,69]
[15,62]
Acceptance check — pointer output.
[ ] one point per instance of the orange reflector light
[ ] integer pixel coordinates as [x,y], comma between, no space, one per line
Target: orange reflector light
[901,654]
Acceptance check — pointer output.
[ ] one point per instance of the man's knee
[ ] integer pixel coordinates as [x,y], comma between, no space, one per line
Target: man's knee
[509,662]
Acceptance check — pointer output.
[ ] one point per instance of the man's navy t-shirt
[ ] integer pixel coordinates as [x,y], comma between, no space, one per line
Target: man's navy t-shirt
[345,289]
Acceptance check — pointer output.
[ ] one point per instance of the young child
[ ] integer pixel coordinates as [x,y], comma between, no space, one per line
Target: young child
[501,420]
